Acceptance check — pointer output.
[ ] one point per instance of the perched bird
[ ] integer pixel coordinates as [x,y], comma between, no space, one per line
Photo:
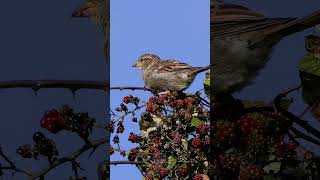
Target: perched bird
[242,40]
[166,75]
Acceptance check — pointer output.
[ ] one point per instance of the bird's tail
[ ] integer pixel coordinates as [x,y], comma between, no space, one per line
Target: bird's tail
[299,24]
[202,69]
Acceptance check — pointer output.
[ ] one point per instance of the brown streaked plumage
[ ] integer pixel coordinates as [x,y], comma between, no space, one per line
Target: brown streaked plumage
[166,75]
[242,41]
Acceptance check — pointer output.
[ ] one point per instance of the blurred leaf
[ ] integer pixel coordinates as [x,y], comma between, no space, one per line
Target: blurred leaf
[311,92]
[272,157]
[316,111]
[274,167]
[310,64]
[269,177]
[310,87]
[285,103]
[171,162]
[300,174]
[206,84]
[195,121]
[249,103]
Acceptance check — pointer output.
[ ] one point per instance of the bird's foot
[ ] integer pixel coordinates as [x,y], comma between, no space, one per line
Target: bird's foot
[163,93]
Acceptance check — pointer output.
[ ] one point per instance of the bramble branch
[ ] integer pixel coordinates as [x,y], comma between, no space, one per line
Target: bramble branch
[70,158]
[73,85]
[124,162]
[291,116]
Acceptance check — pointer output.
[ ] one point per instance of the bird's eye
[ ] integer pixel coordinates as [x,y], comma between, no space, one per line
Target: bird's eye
[145,59]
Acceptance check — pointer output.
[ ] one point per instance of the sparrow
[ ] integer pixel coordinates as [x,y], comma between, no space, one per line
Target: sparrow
[242,41]
[166,75]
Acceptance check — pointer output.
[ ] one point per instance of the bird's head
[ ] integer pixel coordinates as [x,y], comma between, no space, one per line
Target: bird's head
[145,60]
[88,9]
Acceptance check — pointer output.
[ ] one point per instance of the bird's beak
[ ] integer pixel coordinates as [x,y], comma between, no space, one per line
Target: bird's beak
[135,65]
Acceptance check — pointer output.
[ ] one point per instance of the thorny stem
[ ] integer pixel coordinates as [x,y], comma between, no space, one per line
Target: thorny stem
[313,104]
[291,116]
[73,85]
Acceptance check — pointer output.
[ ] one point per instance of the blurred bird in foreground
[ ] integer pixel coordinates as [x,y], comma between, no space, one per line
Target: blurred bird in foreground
[242,41]
[166,75]
[99,12]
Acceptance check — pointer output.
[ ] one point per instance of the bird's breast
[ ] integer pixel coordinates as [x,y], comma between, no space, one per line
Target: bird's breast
[236,63]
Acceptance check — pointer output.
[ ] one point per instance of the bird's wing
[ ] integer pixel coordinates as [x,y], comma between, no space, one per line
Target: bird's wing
[166,66]
[230,19]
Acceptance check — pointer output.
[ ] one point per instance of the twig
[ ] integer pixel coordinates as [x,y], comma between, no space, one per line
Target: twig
[124,162]
[130,88]
[313,104]
[70,158]
[299,134]
[11,166]
[291,116]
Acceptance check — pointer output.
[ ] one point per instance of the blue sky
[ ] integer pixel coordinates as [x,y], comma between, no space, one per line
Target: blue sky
[180,29]
[171,29]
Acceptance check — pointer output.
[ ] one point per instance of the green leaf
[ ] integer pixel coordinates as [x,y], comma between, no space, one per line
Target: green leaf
[206,84]
[195,121]
[310,64]
[269,177]
[185,145]
[275,167]
[171,162]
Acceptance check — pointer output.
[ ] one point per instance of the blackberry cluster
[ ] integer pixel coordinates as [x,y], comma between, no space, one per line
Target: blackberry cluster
[182,171]
[251,172]
[53,121]
[42,146]
[134,138]
[230,162]
[226,132]
[246,124]
[133,154]
[131,99]
[257,141]
[65,118]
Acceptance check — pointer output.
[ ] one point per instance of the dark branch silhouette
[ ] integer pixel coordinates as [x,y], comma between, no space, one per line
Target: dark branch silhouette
[73,85]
